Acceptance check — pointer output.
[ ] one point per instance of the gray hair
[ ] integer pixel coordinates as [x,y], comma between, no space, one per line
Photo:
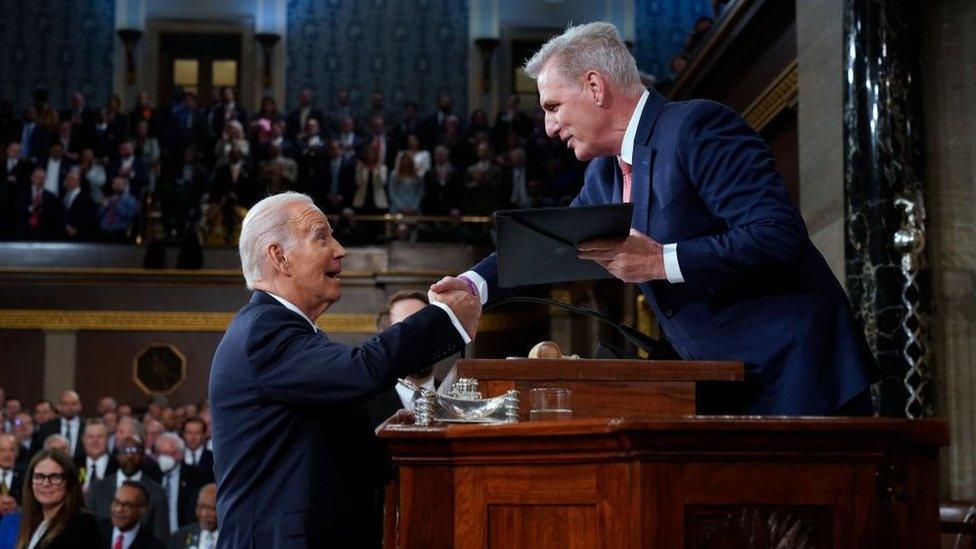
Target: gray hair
[266,224]
[172,437]
[597,46]
[54,439]
[137,427]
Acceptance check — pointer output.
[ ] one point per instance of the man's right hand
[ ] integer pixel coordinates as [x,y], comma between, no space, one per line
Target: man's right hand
[449,283]
[466,307]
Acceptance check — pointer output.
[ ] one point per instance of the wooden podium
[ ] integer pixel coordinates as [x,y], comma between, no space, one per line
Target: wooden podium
[656,479]
[603,388]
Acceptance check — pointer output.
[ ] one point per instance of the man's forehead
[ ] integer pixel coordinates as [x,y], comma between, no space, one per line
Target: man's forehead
[309,217]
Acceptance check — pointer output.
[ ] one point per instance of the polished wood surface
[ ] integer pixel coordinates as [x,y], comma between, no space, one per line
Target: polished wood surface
[603,388]
[691,482]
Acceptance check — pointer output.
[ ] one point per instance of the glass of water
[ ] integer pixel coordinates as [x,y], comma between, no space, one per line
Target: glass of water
[550,403]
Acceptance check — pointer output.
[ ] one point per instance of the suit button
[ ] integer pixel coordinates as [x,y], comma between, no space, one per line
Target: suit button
[668,312]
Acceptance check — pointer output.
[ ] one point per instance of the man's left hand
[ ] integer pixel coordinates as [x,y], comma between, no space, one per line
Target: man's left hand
[637,258]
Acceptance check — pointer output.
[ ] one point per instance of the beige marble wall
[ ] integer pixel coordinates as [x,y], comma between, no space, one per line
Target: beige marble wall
[819,35]
[949,82]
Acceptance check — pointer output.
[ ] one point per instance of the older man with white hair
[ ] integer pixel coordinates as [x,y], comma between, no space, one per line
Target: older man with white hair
[180,481]
[716,244]
[295,455]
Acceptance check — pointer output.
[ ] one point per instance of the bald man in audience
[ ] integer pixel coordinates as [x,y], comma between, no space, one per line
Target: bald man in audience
[69,425]
[99,497]
[203,533]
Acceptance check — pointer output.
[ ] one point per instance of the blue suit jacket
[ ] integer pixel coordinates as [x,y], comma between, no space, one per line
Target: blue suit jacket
[295,456]
[756,289]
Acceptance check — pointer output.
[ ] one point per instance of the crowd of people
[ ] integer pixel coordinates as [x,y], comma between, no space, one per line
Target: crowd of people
[112,479]
[92,174]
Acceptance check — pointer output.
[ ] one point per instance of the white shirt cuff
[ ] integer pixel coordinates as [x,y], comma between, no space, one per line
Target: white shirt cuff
[479,283]
[454,320]
[671,268]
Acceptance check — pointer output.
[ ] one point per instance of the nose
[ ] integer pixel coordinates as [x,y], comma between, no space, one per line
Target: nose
[339,252]
[552,127]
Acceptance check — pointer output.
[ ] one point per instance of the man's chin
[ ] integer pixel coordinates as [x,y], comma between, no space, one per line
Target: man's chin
[583,155]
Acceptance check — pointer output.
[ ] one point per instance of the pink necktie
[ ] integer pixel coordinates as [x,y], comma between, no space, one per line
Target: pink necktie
[625,169]
[118,542]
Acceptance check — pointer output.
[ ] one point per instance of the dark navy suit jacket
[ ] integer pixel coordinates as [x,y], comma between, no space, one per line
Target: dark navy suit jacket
[755,288]
[295,456]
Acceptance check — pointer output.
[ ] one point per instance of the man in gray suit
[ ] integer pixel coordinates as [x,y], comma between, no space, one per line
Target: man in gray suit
[98,500]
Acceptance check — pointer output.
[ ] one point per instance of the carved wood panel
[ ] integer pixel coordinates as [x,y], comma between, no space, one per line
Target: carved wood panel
[757,527]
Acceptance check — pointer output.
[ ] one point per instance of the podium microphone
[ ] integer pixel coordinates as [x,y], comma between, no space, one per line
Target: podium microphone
[655,349]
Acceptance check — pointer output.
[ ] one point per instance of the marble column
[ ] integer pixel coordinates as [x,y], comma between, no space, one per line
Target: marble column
[59,362]
[883,161]
[949,50]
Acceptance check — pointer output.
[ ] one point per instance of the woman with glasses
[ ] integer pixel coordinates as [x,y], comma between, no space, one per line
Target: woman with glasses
[52,515]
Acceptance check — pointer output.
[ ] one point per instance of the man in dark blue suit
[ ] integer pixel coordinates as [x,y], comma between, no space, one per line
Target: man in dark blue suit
[716,245]
[294,453]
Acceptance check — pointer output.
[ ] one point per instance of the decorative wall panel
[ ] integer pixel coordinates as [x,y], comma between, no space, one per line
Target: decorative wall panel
[62,45]
[409,50]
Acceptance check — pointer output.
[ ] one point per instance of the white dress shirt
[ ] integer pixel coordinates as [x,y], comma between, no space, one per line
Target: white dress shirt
[39,533]
[171,483]
[120,478]
[69,428]
[454,320]
[70,196]
[52,178]
[127,537]
[520,192]
[193,457]
[406,395]
[670,252]
[7,477]
[95,467]
[208,539]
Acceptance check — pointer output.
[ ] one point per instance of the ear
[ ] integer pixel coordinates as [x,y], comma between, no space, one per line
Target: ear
[277,259]
[595,86]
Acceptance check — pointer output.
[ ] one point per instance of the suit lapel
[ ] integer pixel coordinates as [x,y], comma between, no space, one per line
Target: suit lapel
[640,190]
[643,158]
[618,183]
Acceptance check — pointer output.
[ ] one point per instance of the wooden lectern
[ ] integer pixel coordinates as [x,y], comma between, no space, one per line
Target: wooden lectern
[659,477]
[603,388]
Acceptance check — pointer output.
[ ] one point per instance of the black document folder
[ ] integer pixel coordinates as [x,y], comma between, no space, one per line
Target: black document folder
[538,246]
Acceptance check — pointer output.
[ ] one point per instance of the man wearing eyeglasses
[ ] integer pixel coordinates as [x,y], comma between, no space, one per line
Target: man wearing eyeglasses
[98,499]
[124,530]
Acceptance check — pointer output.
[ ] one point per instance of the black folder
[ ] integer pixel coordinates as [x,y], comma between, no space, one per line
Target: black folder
[538,246]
